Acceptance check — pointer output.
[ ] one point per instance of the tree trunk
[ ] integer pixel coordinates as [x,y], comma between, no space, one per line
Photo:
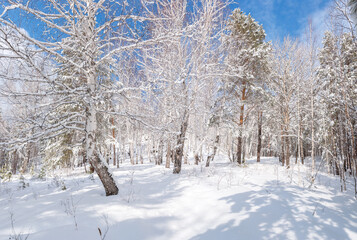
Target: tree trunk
[106,154]
[137,146]
[148,148]
[259,147]
[232,152]
[94,158]
[241,118]
[168,154]
[160,152]
[198,149]
[211,156]
[141,152]
[27,158]
[239,148]
[104,175]
[282,154]
[119,157]
[244,148]
[114,156]
[302,156]
[312,134]
[197,158]
[180,144]
[113,145]
[131,151]
[287,151]
[91,145]
[14,162]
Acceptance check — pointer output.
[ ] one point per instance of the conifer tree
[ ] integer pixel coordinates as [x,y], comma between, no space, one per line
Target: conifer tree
[246,63]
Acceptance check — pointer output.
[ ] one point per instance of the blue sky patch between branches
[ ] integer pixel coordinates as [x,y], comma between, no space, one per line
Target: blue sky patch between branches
[286,17]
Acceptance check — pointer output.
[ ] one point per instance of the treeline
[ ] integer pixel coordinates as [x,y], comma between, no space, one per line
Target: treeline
[164,81]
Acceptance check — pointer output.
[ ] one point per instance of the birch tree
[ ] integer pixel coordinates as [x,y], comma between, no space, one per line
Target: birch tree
[183,67]
[287,71]
[73,36]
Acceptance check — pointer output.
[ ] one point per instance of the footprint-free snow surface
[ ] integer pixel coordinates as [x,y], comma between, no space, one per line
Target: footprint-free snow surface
[224,201]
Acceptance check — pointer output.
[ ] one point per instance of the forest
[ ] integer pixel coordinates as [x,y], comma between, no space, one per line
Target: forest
[96,87]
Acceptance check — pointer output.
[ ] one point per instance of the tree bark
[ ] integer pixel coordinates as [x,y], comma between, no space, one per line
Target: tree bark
[131,150]
[27,158]
[104,175]
[113,145]
[91,129]
[160,152]
[168,155]
[197,158]
[211,156]
[259,146]
[241,118]
[239,148]
[282,154]
[180,144]
[287,151]
[312,133]
[93,156]
[302,155]
[14,162]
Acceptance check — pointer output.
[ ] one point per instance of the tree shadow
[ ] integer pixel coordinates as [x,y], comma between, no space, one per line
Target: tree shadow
[43,209]
[140,229]
[280,212]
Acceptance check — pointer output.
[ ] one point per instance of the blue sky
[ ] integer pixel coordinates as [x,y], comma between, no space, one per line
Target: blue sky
[286,17]
[279,17]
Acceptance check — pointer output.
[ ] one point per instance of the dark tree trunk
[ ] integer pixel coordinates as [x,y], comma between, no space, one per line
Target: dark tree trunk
[302,156]
[160,152]
[287,151]
[241,118]
[243,149]
[259,147]
[197,158]
[180,144]
[239,149]
[104,175]
[178,157]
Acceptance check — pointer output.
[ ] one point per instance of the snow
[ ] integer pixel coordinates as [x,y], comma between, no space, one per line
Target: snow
[255,201]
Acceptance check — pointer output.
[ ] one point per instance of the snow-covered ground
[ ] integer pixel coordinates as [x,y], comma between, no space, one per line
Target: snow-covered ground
[257,201]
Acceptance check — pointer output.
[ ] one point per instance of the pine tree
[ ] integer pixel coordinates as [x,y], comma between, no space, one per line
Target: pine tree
[247,64]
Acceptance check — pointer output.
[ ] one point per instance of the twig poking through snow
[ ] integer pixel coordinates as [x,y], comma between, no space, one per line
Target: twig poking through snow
[14,235]
[71,209]
[104,234]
